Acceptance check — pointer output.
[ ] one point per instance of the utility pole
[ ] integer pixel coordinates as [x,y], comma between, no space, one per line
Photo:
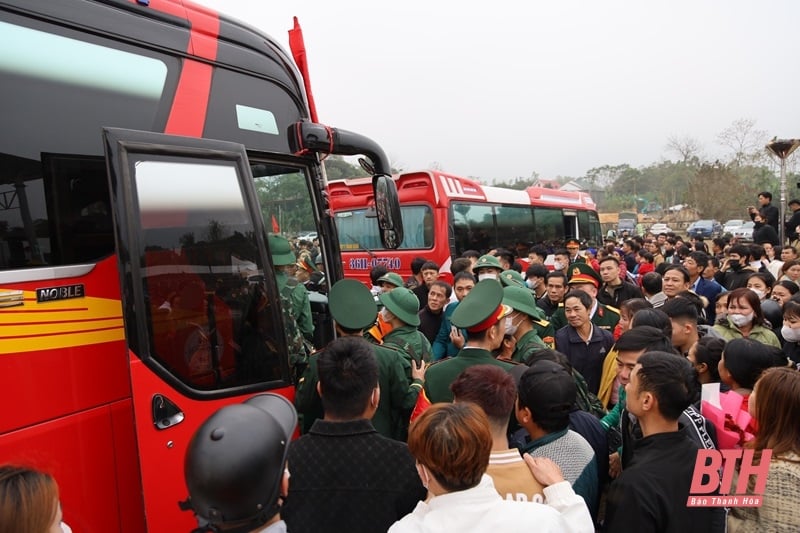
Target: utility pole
[783,148]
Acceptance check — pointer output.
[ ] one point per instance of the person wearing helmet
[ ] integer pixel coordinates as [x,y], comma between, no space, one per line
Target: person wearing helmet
[235,467]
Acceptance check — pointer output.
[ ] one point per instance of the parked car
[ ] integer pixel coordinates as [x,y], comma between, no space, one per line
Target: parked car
[658,227]
[731,225]
[707,229]
[744,232]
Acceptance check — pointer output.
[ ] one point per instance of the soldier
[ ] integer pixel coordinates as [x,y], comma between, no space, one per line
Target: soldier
[295,303]
[353,309]
[582,276]
[487,267]
[387,283]
[544,330]
[400,308]
[482,314]
[520,323]
[573,246]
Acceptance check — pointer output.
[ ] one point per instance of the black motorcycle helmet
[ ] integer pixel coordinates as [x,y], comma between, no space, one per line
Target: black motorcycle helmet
[235,463]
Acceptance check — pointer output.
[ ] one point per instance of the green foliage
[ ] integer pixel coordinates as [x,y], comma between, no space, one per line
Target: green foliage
[337,168]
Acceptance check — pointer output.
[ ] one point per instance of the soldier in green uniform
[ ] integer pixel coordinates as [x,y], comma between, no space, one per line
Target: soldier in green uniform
[487,267]
[519,323]
[482,314]
[400,308]
[544,330]
[583,277]
[353,309]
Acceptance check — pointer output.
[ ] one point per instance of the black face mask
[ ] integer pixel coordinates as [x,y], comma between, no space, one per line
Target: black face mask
[734,264]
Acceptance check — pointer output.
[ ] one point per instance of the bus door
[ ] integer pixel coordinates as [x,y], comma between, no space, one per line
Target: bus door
[202,321]
[570,223]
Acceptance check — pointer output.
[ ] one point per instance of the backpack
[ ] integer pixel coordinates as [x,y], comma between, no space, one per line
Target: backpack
[299,348]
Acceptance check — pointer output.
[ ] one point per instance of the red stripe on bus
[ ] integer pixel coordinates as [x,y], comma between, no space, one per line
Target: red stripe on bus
[80,332]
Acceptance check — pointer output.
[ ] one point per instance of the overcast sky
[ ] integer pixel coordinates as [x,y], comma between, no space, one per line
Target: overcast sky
[496,90]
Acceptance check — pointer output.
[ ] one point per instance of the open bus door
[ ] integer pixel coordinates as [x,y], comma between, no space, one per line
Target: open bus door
[200,305]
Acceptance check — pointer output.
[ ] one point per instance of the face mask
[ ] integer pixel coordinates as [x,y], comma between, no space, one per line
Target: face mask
[739,319]
[511,328]
[558,265]
[733,263]
[756,264]
[531,283]
[482,277]
[386,314]
[790,334]
[761,294]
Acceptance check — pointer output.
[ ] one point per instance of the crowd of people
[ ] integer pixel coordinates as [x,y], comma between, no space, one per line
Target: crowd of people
[558,391]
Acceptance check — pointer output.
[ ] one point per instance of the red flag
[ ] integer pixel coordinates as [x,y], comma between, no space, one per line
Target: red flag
[422,404]
[298,47]
[275,227]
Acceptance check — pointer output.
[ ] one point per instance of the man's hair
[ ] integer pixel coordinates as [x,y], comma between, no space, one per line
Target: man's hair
[681,269]
[429,265]
[713,260]
[756,251]
[463,275]
[460,264]
[557,274]
[741,250]
[720,242]
[645,338]
[656,318]
[561,251]
[539,250]
[348,373]
[540,271]
[491,388]
[647,256]
[651,282]
[766,194]
[681,308]
[505,254]
[448,289]
[453,441]
[471,253]
[671,379]
[582,296]
[549,392]
[609,258]
[416,265]
[376,272]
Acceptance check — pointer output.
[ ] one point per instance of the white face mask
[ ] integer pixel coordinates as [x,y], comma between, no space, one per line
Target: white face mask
[761,294]
[558,265]
[532,283]
[511,328]
[386,315]
[739,319]
[790,334]
[487,275]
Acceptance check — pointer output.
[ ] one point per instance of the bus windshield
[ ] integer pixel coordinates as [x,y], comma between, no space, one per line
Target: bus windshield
[359,231]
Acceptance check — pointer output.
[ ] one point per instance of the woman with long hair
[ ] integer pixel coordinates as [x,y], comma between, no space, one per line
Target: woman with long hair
[775,403]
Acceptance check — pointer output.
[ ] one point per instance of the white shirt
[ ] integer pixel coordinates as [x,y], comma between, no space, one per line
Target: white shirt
[482,510]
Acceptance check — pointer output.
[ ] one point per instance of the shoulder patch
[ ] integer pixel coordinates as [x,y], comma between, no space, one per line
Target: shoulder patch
[612,309]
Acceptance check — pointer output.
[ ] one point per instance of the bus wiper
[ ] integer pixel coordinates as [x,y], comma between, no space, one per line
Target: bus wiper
[360,245]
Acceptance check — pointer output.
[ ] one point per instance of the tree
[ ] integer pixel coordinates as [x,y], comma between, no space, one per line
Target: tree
[745,142]
[685,147]
[602,177]
[337,168]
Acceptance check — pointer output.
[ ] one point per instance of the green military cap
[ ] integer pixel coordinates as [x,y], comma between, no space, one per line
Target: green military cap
[487,261]
[481,308]
[511,278]
[580,272]
[572,240]
[521,300]
[392,278]
[403,304]
[281,251]
[352,305]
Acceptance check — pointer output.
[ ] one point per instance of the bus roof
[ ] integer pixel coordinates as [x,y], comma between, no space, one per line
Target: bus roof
[417,185]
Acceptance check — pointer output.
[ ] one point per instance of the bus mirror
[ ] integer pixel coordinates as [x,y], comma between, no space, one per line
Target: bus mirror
[387,206]
[309,136]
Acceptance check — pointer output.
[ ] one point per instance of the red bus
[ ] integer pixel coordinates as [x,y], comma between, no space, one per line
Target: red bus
[147,149]
[445,215]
